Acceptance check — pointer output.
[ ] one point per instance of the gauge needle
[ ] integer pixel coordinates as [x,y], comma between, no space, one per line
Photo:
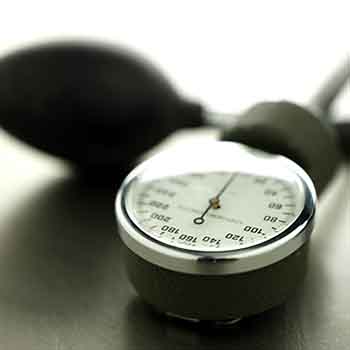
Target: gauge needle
[214,202]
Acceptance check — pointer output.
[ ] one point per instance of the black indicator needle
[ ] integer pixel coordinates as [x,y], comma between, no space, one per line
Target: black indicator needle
[214,202]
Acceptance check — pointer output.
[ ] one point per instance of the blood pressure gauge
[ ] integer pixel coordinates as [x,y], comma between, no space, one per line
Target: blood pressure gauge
[216,231]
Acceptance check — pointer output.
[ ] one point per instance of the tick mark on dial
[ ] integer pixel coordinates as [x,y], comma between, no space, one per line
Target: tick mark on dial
[144,220]
[260,181]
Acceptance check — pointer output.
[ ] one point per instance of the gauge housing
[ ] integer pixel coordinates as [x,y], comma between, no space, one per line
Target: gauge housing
[216,284]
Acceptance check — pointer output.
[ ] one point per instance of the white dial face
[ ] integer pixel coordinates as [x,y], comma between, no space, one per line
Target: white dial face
[214,210]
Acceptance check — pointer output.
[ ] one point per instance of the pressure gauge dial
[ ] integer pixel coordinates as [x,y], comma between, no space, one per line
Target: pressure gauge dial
[216,231]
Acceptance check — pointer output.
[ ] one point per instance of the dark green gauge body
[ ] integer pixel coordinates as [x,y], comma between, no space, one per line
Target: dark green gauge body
[216,231]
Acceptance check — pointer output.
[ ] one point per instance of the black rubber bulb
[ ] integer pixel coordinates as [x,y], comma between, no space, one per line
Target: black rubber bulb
[97,106]
[343,130]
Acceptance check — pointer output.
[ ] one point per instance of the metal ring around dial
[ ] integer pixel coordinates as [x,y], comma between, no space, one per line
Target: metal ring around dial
[219,263]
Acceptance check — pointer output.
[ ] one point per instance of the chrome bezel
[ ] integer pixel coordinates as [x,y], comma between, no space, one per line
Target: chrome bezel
[219,263]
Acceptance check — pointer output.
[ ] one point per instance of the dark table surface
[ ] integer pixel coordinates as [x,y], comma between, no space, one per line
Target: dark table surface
[63,284]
